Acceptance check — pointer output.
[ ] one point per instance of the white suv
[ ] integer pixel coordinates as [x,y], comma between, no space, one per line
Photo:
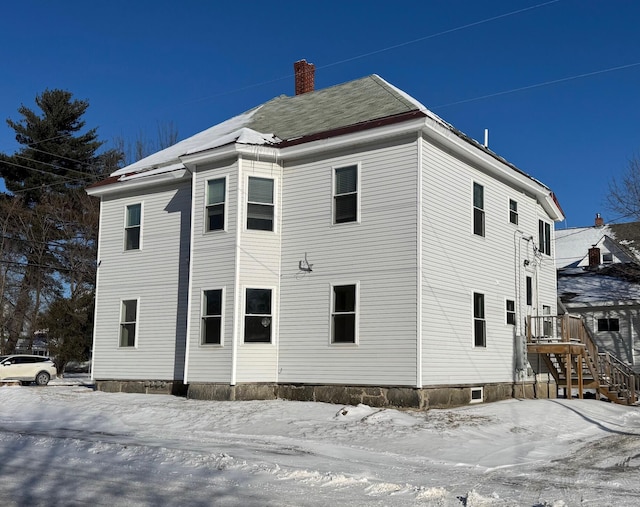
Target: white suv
[25,368]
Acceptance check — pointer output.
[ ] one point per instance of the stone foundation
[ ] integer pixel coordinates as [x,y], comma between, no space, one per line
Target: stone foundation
[142,386]
[399,397]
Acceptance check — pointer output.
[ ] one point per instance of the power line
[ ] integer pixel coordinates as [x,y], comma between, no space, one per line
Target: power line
[538,85]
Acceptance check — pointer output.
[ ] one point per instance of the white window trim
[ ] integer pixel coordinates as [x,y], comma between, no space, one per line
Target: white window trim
[473,321]
[483,209]
[356,342]
[276,186]
[477,400]
[515,311]
[125,227]
[206,205]
[120,322]
[243,313]
[358,219]
[222,312]
[517,212]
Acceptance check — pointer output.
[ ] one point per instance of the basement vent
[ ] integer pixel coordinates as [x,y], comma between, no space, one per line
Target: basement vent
[476,395]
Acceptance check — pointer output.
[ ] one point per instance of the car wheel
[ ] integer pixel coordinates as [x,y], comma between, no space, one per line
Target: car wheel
[42,378]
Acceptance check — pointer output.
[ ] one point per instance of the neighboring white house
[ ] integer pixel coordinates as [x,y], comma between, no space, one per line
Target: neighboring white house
[599,279]
[344,245]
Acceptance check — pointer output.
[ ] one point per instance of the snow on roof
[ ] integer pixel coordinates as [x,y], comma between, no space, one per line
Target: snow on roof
[591,287]
[572,245]
[210,137]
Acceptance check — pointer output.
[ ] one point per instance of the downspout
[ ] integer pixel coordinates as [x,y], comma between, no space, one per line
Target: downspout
[279,286]
[419,266]
[190,284]
[237,289]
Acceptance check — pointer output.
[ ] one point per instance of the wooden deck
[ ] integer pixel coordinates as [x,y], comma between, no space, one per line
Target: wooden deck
[567,348]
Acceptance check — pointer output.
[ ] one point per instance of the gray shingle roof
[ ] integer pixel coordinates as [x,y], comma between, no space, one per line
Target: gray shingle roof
[351,103]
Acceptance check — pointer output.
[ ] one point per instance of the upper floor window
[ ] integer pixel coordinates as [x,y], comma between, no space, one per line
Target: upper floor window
[544,237]
[260,206]
[215,204]
[478,209]
[257,316]
[479,323]
[128,322]
[132,227]
[513,211]
[608,325]
[212,317]
[345,196]
[343,314]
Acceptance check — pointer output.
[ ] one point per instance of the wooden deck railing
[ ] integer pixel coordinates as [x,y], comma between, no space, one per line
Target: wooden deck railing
[613,377]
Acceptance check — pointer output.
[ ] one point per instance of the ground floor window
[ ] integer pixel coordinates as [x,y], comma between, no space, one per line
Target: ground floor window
[479,323]
[343,314]
[128,321]
[258,317]
[608,324]
[212,317]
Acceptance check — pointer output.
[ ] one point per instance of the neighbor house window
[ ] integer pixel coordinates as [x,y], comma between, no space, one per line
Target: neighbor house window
[479,324]
[544,237]
[345,196]
[513,211]
[212,317]
[607,258]
[608,325]
[343,314]
[128,321]
[478,209]
[260,208]
[257,317]
[511,312]
[529,291]
[215,204]
[132,227]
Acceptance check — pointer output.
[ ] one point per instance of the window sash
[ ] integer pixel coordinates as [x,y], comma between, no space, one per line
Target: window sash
[133,226]
[513,211]
[529,290]
[609,324]
[216,193]
[260,190]
[260,206]
[343,315]
[544,237]
[511,311]
[212,317]
[479,323]
[128,321]
[478,209]
[345,197]
[258,317]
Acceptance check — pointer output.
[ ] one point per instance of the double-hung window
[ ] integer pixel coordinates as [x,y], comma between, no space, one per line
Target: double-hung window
[215,204]
[212,317]
[513,211]
[479,322]
[260,205]
[343,314]
[345,195]
[478,209]
[529,290]
[128,322]
[132,227]
[257,316]
[511,311]
[544,237]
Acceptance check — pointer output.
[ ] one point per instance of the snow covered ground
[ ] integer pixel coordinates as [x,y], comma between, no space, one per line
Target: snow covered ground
[67,445]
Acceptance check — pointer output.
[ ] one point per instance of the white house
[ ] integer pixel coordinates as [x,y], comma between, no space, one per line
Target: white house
[343,244]
[599,279]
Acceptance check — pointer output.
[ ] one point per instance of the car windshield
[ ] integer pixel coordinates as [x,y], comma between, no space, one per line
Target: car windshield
[2,358]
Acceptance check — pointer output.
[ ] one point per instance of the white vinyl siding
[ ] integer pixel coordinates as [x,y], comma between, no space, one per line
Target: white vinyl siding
[157,277]
[452,272]
[380,253]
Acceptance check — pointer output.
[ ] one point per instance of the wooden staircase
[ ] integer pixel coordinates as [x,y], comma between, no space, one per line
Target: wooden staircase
[566,346]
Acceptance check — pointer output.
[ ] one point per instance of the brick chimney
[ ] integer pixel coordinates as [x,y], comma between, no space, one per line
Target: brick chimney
[599,220]
[594,257]
[305,74]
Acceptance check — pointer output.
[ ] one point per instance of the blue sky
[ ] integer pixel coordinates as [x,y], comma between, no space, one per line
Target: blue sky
[195,63]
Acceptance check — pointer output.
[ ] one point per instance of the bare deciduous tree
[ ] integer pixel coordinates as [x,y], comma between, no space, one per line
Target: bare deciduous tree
[624,194]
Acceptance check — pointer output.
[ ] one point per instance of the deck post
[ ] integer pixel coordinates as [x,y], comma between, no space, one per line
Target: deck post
[569,369]
[580,383]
